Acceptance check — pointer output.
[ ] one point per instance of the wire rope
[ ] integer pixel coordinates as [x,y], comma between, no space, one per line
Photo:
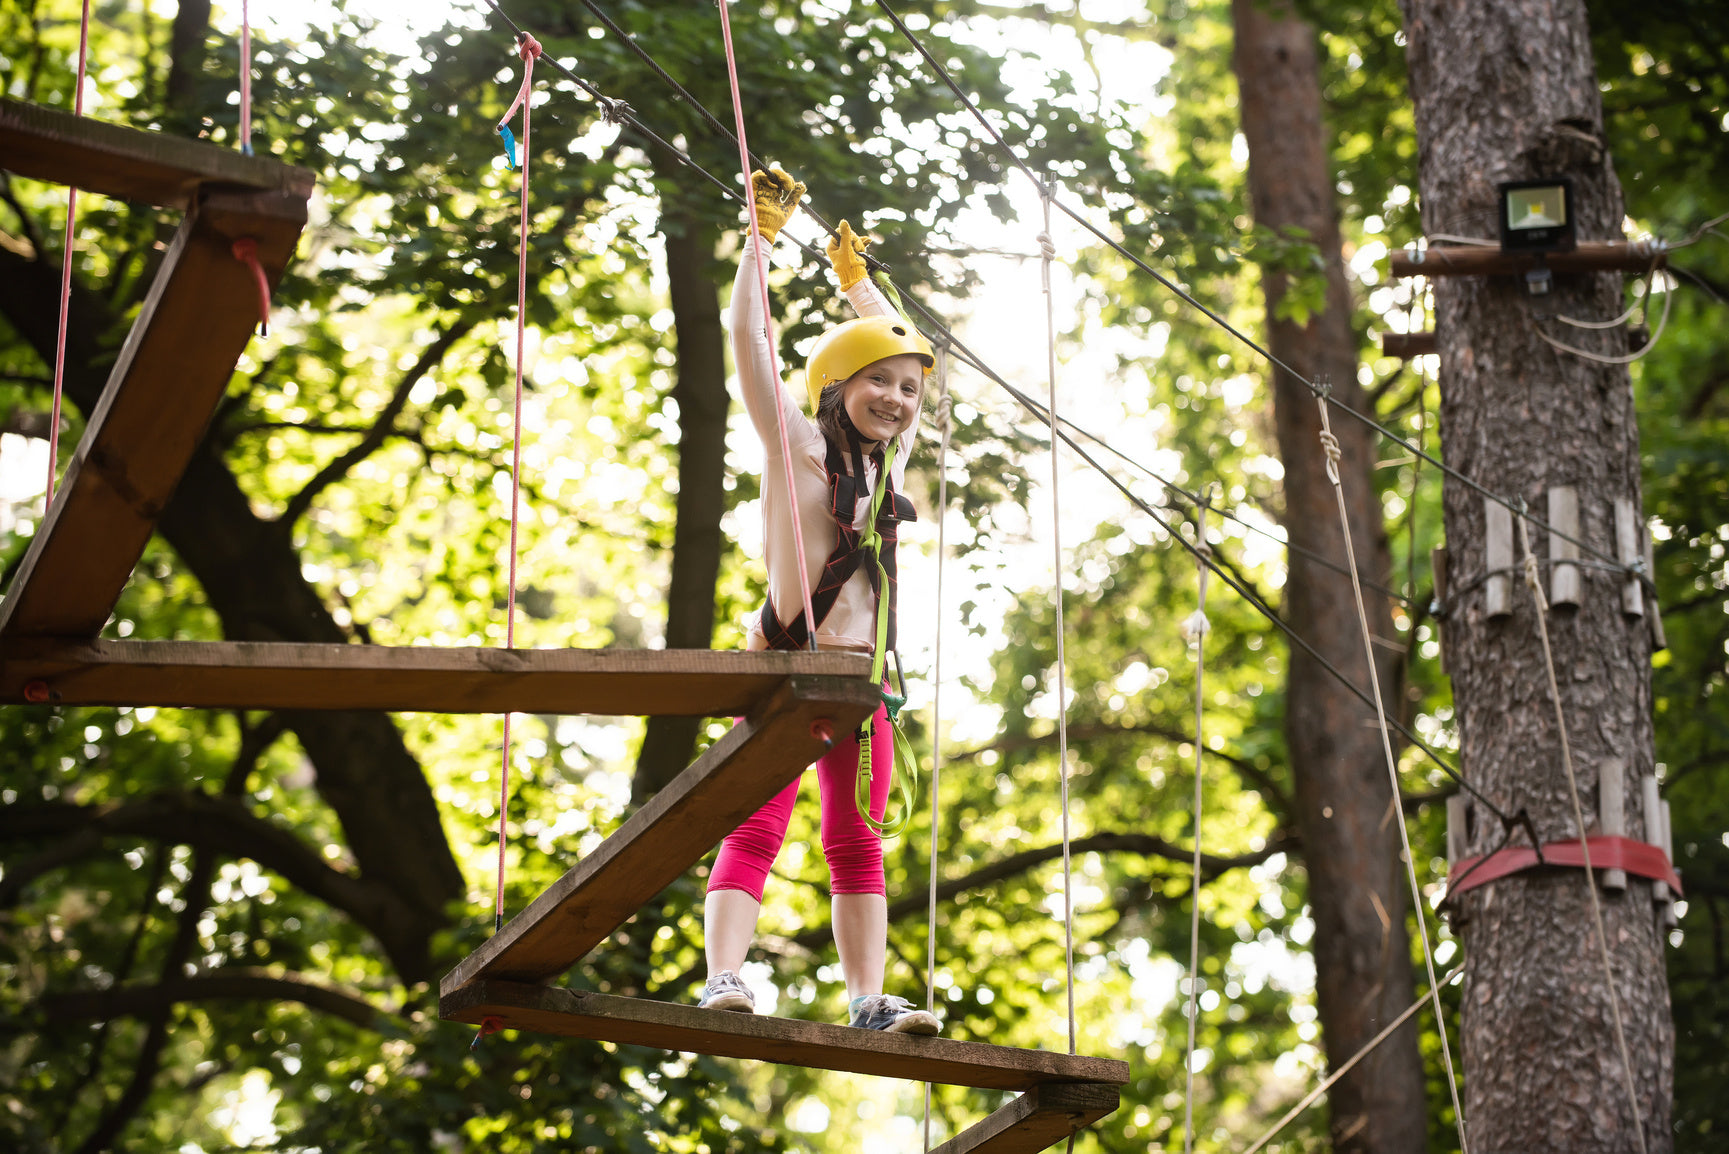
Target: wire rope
[1198,631]
[1535,583]
[1048,251]
[1599,358]
[66,275]
[940,329]
[757,245]
[1330,446]
[1321,393]
[1350,1063]
[529,49]
[945,411]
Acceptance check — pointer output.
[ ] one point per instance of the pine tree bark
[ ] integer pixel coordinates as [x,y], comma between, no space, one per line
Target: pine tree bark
[1357,888]
[702,399]
[1508,91]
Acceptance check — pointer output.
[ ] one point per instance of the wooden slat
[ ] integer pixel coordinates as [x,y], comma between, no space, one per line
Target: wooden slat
[146,167]
[281,675]
[1408,344]
[171,373]
[731,780]
[1036,1121]
[815,1045]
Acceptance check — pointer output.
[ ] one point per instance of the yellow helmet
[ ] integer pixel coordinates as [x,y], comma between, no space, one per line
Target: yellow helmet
[849,347]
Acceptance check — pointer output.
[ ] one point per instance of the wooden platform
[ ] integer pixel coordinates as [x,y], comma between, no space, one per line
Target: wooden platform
[125,163]
[1037,1120]
[280,675]
[818,1045]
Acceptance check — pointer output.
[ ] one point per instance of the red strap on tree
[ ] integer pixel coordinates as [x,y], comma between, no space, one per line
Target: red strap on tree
[1607,853]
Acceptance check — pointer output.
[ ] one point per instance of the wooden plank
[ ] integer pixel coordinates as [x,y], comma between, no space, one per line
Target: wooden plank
[1408,345]
[1612,812]
[1486,260]
[1037,1120]
[282,675]
[731,780]
[164,388]
[129,164]
[814,1045]
[1631,552]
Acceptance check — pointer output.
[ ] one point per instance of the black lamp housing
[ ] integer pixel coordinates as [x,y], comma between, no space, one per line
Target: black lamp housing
[1537,215]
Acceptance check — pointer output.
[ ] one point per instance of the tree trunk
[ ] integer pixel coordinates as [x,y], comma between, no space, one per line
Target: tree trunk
[1357,889]
[1503,92]
[702,407]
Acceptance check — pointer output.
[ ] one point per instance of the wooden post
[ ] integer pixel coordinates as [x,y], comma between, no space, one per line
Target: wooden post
[1497,557]
[1653,806]
[1489,260]
[1612,812]
[1458,829]
[1628,551]
[1564,517]
[1659,641]
[1438,571]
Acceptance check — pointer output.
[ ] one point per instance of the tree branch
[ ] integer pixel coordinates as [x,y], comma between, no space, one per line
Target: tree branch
[240,984]
[381,428]
[1145,845]
[209,824]
[1259,779]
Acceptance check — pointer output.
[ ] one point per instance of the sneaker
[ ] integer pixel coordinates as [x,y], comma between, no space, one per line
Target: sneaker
[727,991]
[890,1015]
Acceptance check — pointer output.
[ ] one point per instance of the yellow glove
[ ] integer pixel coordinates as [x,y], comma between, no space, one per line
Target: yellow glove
[777,196]
[846,253]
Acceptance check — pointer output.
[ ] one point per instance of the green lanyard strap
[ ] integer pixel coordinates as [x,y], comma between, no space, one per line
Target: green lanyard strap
[905,771]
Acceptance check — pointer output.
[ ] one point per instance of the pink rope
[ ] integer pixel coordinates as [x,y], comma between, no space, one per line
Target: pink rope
[529,48]
[66,275]
[762,285]
[245,80]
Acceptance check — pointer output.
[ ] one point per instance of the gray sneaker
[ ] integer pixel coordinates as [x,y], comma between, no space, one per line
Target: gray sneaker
[727,991]
[891,1015]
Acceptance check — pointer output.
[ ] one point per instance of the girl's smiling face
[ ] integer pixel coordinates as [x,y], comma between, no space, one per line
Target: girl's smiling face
[882,399]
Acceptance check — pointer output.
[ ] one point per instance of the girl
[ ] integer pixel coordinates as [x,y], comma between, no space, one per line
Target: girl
[866,380]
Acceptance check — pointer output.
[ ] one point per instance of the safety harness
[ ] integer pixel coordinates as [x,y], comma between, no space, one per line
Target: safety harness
[874,548]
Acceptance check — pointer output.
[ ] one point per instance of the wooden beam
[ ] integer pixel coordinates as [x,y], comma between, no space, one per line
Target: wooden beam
[282,675]
[128,164]
[171,373]
[733,778]
[1408,345]
[815,1045]
[1485,260]
[1037,1120]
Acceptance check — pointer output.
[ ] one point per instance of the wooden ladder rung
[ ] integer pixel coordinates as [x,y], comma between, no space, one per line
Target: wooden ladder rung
[1037,1120]
[286,675]
[816,1045]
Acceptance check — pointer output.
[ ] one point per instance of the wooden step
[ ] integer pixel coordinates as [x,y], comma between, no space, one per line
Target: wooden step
[731,780]
[129,164]
[817,1045]
[285,675]
[174,368]
[1037,1120]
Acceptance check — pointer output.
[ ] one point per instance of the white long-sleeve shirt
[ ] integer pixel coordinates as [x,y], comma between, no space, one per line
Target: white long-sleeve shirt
[851,624]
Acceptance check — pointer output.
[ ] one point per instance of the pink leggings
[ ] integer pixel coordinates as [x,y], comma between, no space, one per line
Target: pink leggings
[853,850]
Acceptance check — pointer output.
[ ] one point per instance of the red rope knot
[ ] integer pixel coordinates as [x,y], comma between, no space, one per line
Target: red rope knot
[527,47]
[37,692]
[823,730]
[246,251]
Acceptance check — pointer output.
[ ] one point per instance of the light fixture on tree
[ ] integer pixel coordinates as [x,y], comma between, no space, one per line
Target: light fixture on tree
[1537,218]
